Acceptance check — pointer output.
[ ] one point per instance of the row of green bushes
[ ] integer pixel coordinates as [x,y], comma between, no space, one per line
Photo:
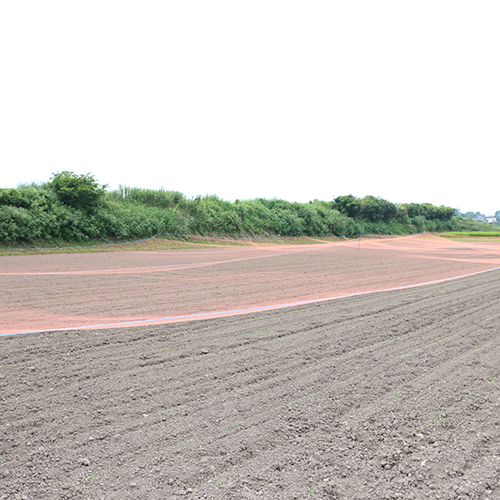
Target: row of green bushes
[76,208]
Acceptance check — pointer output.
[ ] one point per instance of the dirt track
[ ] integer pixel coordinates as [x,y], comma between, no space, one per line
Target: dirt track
[394,395]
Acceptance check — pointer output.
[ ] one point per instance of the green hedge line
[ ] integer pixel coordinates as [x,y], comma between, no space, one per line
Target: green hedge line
[77,208]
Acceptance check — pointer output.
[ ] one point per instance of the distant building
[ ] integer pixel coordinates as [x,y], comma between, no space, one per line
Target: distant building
[491,220]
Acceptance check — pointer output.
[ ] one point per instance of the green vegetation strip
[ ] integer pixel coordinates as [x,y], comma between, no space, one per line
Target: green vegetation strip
[158,242]
[76,208]
[481,234]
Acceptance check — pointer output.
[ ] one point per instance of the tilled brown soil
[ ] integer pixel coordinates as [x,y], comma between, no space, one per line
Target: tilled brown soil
[48,292]
[394,395]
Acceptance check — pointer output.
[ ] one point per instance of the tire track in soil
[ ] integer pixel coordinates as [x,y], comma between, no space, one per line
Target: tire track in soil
[393,395]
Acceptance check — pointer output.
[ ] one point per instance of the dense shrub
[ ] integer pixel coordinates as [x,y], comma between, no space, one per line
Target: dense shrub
[285,223]
[18,224]
[377,209]
[77,191]
[429,211]
[348,205]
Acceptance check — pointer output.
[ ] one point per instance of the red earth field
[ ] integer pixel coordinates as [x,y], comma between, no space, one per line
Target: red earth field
[349,395]
[49,292]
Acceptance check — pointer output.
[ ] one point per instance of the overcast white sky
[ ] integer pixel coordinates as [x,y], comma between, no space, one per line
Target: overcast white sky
[289,99]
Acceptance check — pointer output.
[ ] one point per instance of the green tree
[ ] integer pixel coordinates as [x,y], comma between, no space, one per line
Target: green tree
[377,209]
[77,190]
[348,205]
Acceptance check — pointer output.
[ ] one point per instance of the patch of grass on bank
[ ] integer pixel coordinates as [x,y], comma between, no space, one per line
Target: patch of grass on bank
[479,234]
[161,242]
[286,240]
[190,240]
[97,246]
[472,236]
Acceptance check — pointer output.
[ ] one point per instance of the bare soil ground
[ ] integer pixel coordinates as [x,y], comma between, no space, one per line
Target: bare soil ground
[393,395]
[47,292]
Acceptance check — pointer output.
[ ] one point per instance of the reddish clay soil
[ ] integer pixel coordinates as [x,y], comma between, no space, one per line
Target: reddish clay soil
[48,292]
[391,395]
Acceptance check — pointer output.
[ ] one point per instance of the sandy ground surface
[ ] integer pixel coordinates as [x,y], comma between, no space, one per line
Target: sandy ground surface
[392,395]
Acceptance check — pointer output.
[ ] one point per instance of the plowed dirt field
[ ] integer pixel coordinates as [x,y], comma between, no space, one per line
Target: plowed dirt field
[95,290]
[387,395]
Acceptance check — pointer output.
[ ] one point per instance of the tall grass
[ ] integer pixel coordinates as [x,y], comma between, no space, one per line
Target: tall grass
[151,197]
